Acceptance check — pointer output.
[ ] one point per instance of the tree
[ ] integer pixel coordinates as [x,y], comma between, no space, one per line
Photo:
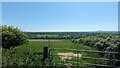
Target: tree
[12,36]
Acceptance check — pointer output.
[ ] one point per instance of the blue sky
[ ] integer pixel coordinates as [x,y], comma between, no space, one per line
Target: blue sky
[61,16]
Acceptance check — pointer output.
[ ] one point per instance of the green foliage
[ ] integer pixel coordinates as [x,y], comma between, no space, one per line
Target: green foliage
[103,42]
[21,57]
[31,53]
[12,36]
[60,35]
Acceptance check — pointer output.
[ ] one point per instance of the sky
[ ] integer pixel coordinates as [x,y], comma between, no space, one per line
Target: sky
[61,16]
[60,0]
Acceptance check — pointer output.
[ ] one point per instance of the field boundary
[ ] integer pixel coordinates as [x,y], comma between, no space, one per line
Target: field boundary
[48,55]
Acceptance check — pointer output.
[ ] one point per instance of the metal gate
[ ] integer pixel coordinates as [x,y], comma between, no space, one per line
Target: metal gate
[56,57]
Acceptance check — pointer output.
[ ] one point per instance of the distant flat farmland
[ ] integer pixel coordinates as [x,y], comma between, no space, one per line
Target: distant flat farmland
[44,40]
[40,35]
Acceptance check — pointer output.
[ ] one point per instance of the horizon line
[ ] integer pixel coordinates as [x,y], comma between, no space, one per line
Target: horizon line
[73,31]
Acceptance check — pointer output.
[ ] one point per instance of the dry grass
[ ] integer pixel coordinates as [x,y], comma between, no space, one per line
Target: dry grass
[69,55]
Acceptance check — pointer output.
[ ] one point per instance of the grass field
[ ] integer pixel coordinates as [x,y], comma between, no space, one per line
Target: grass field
[38,44]
[30,54]
[48,35]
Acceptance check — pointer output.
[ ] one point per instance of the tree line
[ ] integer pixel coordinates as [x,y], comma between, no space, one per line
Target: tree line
[102,42]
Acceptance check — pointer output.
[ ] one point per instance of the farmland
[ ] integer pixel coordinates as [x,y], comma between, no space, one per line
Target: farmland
[31,53]
[25,54]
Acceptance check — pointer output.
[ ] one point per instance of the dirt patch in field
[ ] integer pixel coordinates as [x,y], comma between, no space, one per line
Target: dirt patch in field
[70,55]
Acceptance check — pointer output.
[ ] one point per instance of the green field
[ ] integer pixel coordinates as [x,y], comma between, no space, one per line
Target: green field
[30,54]
[39,35]
[40,43]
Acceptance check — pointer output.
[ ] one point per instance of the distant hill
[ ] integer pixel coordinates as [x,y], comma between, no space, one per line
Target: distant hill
[99,31]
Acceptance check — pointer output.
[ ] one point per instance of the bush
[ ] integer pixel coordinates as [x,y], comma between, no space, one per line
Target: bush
[12,36]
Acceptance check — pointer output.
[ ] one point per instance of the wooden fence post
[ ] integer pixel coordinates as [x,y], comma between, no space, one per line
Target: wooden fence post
[113,60]
[45,53]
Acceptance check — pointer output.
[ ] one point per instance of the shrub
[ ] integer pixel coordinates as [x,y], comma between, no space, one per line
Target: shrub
[12,36]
